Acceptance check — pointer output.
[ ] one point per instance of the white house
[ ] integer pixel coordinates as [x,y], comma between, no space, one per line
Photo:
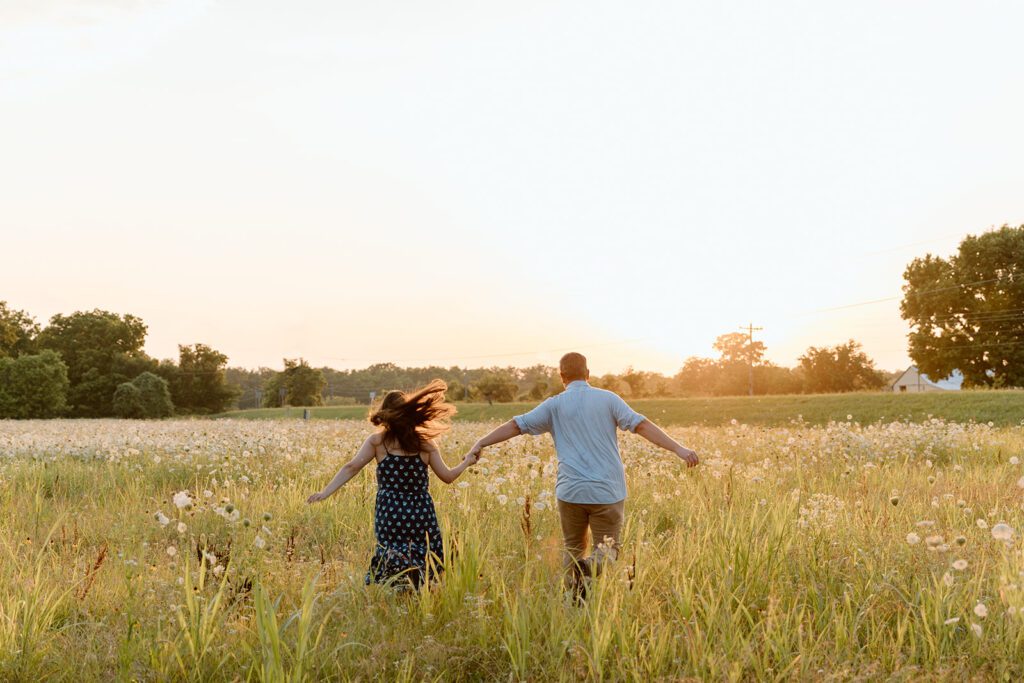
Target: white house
[914,381]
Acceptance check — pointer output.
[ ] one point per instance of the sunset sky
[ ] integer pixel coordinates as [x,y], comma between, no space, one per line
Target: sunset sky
[495,183]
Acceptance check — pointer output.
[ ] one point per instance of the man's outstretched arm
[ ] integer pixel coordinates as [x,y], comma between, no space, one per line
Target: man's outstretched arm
[655,435]
[503,433]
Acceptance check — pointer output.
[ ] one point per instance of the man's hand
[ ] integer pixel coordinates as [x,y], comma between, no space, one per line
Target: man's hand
[689,456]
[316,497]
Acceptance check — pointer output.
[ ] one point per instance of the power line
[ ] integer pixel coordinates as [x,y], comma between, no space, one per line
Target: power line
[922,292]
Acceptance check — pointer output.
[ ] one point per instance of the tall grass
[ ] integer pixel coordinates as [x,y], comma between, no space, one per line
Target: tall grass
[785,556]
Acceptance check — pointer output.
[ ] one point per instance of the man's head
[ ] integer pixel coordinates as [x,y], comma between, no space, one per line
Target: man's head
[572,367]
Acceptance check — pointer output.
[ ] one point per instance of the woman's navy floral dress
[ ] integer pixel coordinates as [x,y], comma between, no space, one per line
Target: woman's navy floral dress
[405,524]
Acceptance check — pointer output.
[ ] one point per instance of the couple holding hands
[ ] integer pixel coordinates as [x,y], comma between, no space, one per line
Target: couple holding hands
[590,488]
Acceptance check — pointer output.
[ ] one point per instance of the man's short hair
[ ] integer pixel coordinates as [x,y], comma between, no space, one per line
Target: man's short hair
[573,366]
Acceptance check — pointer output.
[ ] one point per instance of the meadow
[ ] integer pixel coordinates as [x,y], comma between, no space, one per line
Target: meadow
[1002,408]
[184,550]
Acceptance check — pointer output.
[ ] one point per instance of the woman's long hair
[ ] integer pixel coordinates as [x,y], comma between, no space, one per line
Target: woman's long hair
[413,418]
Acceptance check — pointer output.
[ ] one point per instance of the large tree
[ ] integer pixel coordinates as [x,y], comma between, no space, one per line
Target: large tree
[967,312]
[101,350]
[18,331]
[33,386]
[297,385]
[198,382]
[840,368]
[495,386]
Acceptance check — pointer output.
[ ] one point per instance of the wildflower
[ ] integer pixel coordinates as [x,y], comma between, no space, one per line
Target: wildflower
[218,570]
[960,565]
[1020,482]
[1014,460]
[894,500]
[948,579]
[913,539]
[463,484]
[182,528]
[981,610]
[502,499]
[1002,532]
[208,493]
[172,551]
[539,505]
[267,517]
[933,540]
[925,523]
[982,524]
[259,542]
[161,518]
[961,540]
[950,622]
[182,500]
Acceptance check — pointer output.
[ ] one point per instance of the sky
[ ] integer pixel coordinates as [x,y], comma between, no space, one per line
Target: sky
[467,183]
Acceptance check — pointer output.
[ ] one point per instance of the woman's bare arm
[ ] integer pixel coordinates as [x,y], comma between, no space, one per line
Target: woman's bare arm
[350,469]
[442,471]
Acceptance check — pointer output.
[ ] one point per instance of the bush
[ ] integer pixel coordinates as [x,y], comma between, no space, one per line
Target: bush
[146,396]
[128,401]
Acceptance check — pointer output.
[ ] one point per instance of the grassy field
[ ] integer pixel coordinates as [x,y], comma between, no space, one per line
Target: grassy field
[184,551]
[1003,408]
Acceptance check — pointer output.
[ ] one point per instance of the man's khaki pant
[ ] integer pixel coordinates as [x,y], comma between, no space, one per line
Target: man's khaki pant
[605,524]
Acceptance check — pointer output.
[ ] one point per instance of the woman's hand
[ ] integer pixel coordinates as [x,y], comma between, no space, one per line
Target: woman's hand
[317,497]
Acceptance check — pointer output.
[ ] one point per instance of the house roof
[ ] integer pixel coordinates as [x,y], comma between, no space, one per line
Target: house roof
[952,383]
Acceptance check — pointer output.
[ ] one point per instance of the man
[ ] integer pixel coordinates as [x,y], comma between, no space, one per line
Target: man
[591,483]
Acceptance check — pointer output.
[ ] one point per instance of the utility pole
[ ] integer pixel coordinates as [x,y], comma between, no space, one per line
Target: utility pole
[750,330]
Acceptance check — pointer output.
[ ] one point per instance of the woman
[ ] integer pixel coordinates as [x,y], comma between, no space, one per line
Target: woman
[409,546]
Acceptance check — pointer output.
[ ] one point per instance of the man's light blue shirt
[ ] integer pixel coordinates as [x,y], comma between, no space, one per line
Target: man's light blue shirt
[582,420]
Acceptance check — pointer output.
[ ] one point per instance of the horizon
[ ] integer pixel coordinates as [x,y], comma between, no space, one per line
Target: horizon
[353,184]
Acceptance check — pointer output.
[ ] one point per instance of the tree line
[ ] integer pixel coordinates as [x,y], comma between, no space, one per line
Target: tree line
[966,313]
[92,364]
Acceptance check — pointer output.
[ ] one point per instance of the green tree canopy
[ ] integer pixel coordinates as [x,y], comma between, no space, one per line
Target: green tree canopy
[495,386]
[101,350]
[967,312]
[33,386]
[297,385]
[18,331]
[840,368]
[198,383]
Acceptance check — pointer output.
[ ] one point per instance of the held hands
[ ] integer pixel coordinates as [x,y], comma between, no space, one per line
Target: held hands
[316,497]
[474,453]
[690,456]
